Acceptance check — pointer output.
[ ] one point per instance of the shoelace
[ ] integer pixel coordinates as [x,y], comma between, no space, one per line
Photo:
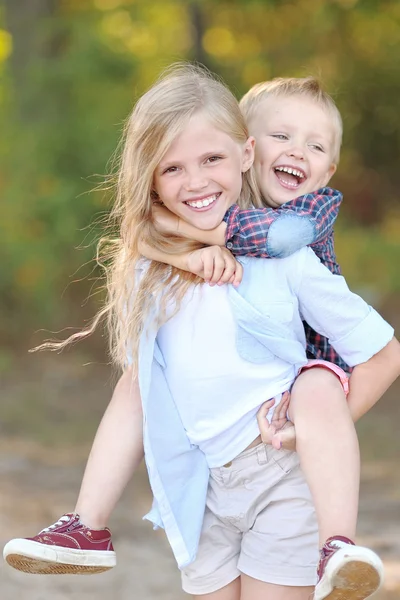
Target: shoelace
[61,521]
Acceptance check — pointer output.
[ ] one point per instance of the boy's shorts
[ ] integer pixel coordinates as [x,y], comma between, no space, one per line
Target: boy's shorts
[324,364]
[260,521]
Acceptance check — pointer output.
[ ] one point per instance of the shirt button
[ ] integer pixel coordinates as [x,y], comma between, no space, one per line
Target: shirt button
[229,245]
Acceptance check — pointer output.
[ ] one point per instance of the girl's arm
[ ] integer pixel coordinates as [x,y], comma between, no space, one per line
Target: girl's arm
[265,232]
[370,380]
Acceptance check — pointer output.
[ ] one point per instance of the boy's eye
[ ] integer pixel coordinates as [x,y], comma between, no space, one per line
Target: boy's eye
[280,136]
[317,147]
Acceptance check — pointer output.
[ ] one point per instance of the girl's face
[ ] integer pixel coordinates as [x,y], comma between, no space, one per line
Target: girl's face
[200,175]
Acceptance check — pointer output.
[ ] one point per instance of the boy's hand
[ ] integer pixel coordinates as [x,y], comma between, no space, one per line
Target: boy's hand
[216,265]
[165,220]
[280,433]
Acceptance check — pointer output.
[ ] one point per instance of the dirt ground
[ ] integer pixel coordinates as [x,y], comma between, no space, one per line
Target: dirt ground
[49,411]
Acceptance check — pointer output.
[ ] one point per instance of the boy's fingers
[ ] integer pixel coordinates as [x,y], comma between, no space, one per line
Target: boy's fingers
[208,268]
[229,271]
[238,274]
[219,266]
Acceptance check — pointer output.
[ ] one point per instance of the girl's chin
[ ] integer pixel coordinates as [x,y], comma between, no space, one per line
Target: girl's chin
[204,221]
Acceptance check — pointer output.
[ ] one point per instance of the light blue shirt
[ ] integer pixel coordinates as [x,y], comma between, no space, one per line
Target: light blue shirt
[269,306]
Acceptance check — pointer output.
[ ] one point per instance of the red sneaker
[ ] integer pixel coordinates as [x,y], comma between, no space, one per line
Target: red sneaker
[347,571]
[67,547]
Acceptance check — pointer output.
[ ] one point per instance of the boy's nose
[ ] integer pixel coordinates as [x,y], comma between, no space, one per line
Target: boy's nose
[296,152]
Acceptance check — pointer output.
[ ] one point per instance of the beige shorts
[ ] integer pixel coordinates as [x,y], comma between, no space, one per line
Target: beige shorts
[260,521]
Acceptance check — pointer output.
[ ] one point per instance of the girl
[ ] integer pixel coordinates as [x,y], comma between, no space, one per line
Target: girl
[238,514]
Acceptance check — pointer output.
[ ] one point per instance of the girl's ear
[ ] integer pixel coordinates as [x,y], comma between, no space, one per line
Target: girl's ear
[248,154]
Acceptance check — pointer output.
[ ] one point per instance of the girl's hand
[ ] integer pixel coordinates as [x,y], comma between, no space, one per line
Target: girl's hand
[165,220]
[216,265]
[280,433]
[285,438]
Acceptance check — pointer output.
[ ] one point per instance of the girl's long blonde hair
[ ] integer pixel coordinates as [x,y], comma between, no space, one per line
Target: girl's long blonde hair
[158,118]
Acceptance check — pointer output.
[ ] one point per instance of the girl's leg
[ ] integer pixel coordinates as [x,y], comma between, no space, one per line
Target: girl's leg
[253,589]
[79,542]
[229,592]
[327,445]
[116,453]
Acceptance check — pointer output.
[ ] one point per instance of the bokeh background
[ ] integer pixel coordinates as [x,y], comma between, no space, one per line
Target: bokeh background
[70,73]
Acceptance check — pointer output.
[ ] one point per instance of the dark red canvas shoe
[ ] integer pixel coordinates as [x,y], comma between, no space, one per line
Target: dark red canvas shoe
[347,571]
[67,547]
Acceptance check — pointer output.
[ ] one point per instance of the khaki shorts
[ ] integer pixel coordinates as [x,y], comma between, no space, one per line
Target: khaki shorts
[260,521]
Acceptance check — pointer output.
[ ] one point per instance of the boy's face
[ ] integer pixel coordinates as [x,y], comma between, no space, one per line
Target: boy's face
[295,142]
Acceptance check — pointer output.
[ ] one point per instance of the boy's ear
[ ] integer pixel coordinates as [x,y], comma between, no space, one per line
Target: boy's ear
[248,154]
[331,171]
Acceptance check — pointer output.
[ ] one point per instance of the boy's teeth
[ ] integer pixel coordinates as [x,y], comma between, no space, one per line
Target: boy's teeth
[202,203]
[290,171]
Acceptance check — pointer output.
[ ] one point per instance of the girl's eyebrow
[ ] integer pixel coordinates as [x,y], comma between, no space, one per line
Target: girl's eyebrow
[166,165]
[174,163]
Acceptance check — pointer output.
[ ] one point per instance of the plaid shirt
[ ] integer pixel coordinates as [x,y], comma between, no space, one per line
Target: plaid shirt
[247,234]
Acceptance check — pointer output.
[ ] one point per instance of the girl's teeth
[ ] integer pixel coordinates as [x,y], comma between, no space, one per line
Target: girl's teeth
[203,203]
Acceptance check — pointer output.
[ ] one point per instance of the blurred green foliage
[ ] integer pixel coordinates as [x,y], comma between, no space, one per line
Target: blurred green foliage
[71,70]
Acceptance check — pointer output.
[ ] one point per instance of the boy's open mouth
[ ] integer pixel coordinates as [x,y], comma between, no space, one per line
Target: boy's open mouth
[290,177]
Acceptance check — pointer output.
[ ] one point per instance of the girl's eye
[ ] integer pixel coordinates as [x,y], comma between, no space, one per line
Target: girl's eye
[213,159]
[280,136]
[170,170]
[317,147]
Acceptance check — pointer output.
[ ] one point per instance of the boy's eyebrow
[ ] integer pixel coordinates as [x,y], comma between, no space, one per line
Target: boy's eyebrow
[282,125]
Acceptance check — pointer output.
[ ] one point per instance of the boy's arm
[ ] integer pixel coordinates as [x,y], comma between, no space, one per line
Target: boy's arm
[276,233]
[214,264]
[265,232]
[175,260]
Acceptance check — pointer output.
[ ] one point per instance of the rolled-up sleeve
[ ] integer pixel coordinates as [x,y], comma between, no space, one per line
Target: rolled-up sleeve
[356,330]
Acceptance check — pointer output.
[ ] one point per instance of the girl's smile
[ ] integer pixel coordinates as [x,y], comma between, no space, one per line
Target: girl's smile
[200,175]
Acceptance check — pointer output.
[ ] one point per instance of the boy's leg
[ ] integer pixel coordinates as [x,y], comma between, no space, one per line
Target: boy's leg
[326,441]
[79,542]
[327,445]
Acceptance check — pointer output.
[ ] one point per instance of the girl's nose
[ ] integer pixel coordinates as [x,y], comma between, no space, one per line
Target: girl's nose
[195,180]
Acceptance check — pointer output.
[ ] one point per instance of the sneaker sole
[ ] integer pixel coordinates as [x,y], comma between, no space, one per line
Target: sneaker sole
[32,557]
[357,579]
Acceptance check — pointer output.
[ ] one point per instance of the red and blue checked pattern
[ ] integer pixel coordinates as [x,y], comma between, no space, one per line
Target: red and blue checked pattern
[247,233]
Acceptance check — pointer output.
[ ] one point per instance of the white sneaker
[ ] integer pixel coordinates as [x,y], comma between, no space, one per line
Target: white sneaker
[347,571]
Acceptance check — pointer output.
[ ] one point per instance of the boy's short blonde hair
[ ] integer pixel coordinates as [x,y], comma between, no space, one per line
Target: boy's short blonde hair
[294,86]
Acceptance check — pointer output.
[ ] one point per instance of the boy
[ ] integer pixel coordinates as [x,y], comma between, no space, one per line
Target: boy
[298,131]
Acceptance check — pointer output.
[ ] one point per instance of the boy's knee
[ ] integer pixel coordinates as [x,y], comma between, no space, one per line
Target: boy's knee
[318,382]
